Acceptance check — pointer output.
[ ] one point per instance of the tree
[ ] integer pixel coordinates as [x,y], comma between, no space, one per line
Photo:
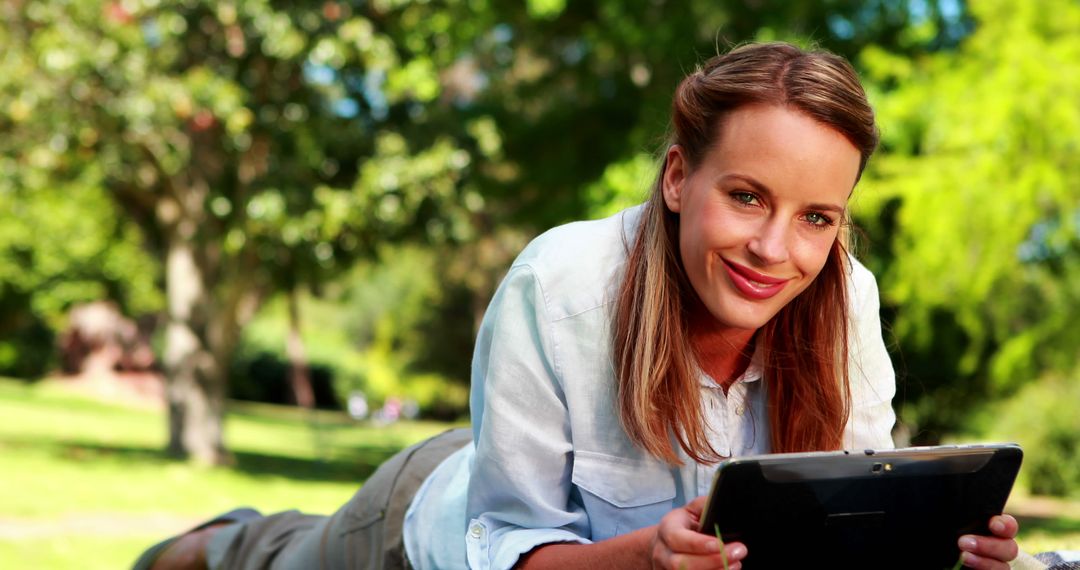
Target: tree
[232,134]
[975,199]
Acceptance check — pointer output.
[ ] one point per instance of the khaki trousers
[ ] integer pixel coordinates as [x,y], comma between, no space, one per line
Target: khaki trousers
[365,534]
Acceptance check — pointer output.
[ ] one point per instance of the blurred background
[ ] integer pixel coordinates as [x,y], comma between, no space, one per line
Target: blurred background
[245,245]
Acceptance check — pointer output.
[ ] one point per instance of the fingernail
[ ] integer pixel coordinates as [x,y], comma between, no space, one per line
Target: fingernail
[713,546]
[967,543]
[968,558]
[997,526]
[737,551]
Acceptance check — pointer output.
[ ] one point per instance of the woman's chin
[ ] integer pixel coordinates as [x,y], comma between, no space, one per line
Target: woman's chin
[749,321]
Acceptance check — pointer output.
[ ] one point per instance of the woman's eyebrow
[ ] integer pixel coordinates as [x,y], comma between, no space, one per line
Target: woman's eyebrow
[826,208]
[763,189]
[748,180]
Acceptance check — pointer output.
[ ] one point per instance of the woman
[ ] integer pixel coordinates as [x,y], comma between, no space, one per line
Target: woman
[621,359]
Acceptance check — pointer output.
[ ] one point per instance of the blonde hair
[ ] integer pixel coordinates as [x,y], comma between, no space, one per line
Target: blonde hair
[805,345]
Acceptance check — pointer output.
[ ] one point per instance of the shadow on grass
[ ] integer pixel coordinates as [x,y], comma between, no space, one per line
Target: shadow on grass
[355,466]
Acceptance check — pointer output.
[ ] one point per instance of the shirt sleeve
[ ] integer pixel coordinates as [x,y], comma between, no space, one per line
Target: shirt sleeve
[870,371]
[519,493]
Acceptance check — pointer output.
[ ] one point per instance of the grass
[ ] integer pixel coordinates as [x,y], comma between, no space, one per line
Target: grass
[720,540]
[74,551]
[1043,533]
[85,484]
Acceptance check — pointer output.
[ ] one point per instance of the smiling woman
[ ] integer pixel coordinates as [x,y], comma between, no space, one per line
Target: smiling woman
[752,203]
[622,359]
[758,219]
[747,242]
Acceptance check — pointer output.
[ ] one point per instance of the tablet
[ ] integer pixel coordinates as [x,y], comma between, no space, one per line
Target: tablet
[902,508]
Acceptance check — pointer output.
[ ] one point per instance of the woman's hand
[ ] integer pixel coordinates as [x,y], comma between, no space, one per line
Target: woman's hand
[678,545]
[991,552]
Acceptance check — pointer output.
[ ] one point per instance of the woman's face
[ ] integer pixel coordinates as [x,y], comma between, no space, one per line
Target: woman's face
[758,216]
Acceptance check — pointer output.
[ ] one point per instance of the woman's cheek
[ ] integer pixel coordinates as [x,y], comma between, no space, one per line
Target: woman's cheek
[812,254]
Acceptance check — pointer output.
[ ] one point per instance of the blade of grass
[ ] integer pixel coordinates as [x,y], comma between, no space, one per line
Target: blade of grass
[723,553]
[959,563]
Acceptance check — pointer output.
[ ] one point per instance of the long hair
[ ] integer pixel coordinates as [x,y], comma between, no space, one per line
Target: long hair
[805,346]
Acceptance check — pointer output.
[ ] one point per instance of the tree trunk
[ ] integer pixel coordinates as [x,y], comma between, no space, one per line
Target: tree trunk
[194,372]
[299,372]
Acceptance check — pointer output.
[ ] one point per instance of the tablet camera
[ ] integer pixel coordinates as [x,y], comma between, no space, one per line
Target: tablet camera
[879,468]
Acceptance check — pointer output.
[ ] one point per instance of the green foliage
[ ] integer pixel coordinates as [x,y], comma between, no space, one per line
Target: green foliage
[373,330]
[1042,417]
[259,147]
[622,185]
[60,246]
[281,131]
[69,245]
[974,202]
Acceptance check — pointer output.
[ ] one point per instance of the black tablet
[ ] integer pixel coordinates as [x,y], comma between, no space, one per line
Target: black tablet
[902,508]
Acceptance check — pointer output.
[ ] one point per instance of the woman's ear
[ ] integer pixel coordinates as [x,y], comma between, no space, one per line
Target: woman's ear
[675,172]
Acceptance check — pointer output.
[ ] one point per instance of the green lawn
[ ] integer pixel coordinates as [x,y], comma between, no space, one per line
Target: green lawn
[1046,524]
[84,483]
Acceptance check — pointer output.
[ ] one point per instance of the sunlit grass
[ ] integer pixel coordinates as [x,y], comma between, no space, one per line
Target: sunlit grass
[85,485]
[82,477]
[1043,533]
[71,552]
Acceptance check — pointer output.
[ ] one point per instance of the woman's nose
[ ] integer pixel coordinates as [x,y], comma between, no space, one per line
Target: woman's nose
[769,244]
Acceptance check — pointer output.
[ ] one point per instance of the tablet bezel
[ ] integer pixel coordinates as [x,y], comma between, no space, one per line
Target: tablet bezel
[944,492]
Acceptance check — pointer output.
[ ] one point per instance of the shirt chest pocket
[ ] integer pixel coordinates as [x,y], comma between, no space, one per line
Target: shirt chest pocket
[622,495]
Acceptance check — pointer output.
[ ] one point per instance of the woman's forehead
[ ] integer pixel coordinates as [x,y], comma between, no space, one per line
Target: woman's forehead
[784,150]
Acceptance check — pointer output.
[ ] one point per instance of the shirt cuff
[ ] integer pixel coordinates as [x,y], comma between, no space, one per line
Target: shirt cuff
[1025,561]
[500,549]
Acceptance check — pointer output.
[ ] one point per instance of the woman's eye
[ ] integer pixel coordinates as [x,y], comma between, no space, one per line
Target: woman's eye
[819,220]
[744,198]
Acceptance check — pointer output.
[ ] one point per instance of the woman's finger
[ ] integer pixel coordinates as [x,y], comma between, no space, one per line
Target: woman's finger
[678,532]
[696,506]
[988,549]
[1004,526]
[735,553]
[679,546]
[976,562]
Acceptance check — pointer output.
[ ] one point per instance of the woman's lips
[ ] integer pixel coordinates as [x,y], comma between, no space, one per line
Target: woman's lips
[753,284]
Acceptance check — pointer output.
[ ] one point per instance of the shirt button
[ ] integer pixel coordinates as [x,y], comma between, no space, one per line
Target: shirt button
[476,531]
[739,410]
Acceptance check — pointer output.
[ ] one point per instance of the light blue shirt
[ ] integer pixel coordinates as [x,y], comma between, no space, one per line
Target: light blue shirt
[550,461]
